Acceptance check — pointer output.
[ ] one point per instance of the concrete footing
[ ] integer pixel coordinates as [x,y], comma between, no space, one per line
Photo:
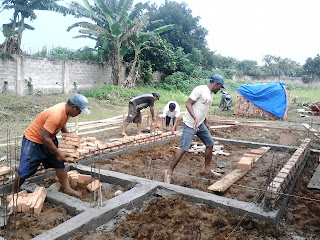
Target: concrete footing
[86,218]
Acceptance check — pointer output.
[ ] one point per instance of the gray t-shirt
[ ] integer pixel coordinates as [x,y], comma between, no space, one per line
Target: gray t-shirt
[143,101]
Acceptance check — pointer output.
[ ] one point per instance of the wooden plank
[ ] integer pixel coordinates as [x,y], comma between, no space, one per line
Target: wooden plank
[224,183]
[315,180]
[312,130]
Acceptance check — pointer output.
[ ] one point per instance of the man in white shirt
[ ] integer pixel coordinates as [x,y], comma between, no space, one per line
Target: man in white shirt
[195,123]
[170,111]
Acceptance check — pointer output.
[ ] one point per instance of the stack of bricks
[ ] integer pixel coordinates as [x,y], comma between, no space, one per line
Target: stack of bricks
[126,142]
[69,145]
[5,174]
[245,108]
[89,142]
[283,179]
[247,161]
[74,178]
[28,202]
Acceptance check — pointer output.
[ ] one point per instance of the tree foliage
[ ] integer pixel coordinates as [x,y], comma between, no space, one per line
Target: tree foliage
[23,10]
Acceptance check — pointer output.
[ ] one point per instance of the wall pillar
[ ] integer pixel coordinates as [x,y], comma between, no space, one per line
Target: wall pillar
[20,82]
[65,76]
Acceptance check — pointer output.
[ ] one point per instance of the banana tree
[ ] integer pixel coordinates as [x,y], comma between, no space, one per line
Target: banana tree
[23,9]
[139,42]
[114,23]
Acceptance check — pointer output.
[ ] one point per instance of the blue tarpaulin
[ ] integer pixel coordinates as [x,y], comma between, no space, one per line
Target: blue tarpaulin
[270,97]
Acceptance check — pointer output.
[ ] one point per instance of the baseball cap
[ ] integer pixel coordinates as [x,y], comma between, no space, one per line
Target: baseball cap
[156,94]
[81,102]
[219,79]
[172,106]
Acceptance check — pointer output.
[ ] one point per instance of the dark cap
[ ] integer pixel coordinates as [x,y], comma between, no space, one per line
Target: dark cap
[172,106]
[219,79]
[156,94]
[81,102]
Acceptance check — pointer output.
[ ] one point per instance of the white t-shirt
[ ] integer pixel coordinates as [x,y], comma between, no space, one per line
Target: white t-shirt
[203,101]
[167,112]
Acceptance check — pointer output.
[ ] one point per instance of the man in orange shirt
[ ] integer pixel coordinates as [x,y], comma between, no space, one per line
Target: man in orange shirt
[40,145]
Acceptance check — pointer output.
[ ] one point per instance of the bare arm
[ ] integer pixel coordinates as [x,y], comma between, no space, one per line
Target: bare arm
[152,114]
[47,141]
[206,123]
[64,129]
[189,104]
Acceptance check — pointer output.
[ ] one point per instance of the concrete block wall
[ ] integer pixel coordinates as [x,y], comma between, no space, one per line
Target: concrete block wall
[283,179]
[245,108]
[49,76]
[7,75]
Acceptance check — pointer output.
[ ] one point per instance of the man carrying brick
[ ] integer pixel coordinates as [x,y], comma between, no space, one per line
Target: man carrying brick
[170,111]
[135,106]
[195,123]
[40,145]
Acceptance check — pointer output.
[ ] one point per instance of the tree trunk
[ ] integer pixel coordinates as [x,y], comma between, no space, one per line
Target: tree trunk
[130,81]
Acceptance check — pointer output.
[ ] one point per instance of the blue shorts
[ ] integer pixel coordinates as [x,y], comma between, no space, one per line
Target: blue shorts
[188,133]
[32,154]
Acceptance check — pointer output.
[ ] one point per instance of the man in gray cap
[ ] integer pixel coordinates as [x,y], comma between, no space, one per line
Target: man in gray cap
[195,123]
[40,145]
[135,105]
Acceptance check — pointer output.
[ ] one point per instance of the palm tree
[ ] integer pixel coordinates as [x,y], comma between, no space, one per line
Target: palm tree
[116,29]
[23,9]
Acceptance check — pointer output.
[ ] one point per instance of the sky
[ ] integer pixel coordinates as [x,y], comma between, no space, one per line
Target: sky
[243,29]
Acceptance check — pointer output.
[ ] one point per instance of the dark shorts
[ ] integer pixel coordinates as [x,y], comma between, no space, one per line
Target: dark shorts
[32,154]
[168,119]
[188,134]
[134,115]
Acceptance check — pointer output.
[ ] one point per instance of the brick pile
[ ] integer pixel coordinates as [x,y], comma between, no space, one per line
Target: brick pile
[5,174]
[246,108]
[125,142]
[70,143]
[75,178]
[28,202]
[283,179]
[247,161]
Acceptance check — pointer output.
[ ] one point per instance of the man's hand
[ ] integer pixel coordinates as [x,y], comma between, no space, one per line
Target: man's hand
[196,123]
[61,156]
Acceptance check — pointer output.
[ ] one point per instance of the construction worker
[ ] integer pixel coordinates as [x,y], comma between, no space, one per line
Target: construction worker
[135,105]
[40,145]
[170,111]
[195,123]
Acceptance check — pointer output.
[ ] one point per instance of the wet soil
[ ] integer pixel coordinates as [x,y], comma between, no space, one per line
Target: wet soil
[174,217]
[29,225]
[107,190]
[153,161]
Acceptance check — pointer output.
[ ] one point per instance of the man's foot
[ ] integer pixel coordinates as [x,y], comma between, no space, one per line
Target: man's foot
[211,171]
[167,176]
[124,134]
[72,192]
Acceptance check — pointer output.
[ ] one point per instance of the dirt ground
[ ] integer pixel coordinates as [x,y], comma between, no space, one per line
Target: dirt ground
[27,225]
[173,217]
[151,163]
[107,190]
